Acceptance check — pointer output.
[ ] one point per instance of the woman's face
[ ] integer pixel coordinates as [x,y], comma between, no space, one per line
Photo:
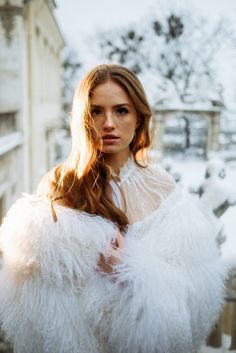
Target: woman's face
[115,118]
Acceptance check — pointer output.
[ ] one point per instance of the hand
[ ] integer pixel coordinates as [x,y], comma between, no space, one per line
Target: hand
[106,265]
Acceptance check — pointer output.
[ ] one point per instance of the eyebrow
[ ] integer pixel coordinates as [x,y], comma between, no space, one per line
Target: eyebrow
[115,106]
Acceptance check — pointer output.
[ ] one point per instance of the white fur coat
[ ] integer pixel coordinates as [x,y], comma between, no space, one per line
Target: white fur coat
[164,298]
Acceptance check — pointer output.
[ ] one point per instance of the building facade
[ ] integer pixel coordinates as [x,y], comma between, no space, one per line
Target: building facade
[30,95]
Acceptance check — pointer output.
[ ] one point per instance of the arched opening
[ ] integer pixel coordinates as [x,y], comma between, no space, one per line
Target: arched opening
[187,131]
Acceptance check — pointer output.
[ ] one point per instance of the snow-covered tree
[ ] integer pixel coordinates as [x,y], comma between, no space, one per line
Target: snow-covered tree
[216,195]
[177,51]
[71,65]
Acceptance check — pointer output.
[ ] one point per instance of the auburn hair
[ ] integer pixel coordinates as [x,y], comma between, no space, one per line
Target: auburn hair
[82,181]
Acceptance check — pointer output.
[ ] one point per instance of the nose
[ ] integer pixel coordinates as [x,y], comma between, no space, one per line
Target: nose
[109,123]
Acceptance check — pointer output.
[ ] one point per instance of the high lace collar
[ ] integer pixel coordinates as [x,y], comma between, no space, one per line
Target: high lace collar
[125,171]
[140,191]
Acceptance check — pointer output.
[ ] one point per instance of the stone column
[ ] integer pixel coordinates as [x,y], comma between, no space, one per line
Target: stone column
[233,328]
[213,132]
[160,130]
[215,338]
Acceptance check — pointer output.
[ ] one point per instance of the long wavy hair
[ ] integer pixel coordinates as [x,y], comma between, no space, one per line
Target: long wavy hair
[82,181]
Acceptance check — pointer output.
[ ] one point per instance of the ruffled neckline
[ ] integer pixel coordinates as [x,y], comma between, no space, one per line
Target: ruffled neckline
[125,171]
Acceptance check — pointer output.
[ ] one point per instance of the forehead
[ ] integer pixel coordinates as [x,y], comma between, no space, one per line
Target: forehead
[109,92]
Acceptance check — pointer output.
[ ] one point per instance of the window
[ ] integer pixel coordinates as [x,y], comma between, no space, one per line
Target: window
[7,123]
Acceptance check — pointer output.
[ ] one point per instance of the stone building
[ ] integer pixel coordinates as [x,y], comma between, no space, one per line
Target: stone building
[30,94]
[205,133]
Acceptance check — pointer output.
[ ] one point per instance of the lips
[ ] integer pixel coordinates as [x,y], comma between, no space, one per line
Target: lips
[110,137]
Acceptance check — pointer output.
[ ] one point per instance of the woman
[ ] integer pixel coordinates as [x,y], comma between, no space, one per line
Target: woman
[109,256]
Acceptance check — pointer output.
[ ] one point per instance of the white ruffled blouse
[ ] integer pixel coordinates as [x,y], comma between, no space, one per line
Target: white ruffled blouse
[139,191]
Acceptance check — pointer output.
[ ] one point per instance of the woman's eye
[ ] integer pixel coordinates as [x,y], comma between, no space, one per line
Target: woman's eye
[96,112]
[122,111]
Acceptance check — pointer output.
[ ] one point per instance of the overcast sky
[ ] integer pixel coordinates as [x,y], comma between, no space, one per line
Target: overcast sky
[79,19]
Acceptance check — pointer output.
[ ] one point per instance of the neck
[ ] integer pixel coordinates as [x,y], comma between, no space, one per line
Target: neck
[117,160]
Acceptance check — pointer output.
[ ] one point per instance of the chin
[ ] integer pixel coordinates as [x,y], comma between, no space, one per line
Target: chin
[109,150]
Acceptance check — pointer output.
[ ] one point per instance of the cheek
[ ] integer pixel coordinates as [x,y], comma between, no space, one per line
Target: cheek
[131,126]
[96,124]
[128,130]
[98,127]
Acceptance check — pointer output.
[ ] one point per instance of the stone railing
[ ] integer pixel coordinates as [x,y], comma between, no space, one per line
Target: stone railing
[226,325]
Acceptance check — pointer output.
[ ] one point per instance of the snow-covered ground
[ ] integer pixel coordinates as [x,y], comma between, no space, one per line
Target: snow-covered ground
[192,175]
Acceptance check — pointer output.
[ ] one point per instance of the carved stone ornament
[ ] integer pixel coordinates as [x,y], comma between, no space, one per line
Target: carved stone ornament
[7,18]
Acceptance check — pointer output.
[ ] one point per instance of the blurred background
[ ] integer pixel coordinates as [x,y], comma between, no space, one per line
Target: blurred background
[184,53]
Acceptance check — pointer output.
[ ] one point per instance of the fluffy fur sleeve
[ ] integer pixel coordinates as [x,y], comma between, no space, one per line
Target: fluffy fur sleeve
[171,281]
[45,266]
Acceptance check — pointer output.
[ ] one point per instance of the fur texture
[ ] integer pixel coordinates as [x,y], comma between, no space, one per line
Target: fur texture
[164,298]
[172,281]
[45,267]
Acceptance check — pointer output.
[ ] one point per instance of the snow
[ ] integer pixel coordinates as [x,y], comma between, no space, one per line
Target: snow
[192,175]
